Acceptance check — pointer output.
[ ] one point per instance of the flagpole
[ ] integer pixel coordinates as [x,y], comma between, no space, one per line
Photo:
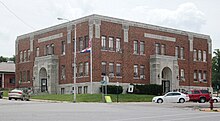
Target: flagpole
[91,67]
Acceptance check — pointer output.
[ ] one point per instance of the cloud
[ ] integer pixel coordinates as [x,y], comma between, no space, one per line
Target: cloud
[187,16]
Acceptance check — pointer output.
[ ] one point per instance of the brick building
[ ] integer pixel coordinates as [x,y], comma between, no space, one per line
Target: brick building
[127,51]
[7,75]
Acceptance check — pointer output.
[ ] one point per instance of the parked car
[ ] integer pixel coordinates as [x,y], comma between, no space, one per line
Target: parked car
[216,99]
[19,94]
[176,97]
[201,96]
[1,94]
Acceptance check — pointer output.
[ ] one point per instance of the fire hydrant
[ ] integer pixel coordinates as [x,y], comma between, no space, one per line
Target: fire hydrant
[211,103]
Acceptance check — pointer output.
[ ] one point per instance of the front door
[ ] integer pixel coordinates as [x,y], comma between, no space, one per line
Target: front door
[166,86]
[43,85]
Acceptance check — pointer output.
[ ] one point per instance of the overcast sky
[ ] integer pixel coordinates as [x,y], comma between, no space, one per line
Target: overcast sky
[200,16]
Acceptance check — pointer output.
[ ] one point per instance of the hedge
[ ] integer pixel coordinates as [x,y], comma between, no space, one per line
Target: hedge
[150,89]
[112,89]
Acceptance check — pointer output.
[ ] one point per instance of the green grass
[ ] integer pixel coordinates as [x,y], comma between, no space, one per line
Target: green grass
[5,93]
[94,97]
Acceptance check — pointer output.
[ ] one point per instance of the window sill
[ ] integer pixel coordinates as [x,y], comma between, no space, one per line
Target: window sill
[119,77]
[135,77]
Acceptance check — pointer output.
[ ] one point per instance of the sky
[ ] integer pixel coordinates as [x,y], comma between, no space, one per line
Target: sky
[18,17]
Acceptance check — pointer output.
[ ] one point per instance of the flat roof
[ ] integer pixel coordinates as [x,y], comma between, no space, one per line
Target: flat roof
[7,67]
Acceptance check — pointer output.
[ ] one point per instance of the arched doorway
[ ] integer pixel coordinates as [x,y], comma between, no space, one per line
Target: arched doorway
[166,79]
[43,79]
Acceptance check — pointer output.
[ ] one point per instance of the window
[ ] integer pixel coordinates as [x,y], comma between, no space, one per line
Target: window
[118,69]
[21,55]
[157,48]
[103,43]
[79,90]
[204,76]
[52,49]
[86,42]
[111,68]
[63,72]
[28,75]
[85,89]
[199,55]
[196,92]
[103,68]
[135,70]
[81,69]
[111,43]
[25,55]
[12,81]
[20,76]
[63,48]
[182,75]
[86,69]
[81,44]
[62,90]
[37,51]
[200,75]
[48,50]
[24,76]
[142,72]
[141,47]
[195,75]
[29,54]
[118,45]
[135,47]
[163,49]
[181,53]
[194,55]
[177,52]
[73,70]
[204,56]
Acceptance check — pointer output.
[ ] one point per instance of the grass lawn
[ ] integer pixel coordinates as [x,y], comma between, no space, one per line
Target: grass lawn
[95,97]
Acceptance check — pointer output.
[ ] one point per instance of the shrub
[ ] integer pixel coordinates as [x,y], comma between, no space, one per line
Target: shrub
[112,89]
[151,89]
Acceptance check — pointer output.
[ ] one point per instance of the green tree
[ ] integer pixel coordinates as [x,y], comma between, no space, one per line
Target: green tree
[3,59]
[216,69]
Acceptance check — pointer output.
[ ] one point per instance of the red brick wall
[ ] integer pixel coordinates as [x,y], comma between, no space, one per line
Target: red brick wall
[7,83]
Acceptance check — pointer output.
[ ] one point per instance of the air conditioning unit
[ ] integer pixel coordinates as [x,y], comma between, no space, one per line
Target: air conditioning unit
[182,78]
[142,76]
[118,50]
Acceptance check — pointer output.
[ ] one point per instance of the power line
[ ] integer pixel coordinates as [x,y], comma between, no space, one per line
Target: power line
[16,16]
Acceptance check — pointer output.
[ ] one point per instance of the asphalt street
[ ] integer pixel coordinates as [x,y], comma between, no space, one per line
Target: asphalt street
[49,111]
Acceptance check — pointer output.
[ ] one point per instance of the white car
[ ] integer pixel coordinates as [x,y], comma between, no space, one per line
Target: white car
[19,94]
[176,97]
[216,99]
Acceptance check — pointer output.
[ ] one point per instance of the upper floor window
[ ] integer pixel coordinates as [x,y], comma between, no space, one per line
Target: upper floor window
[86,41]
[86,69]
[111,68]
[181,53]
[21,56]
[37,51]
[135,47]
[81,69]
[182,74]
[29,54]
[103,68]
[142,72]
[200,75]
[63,72]
[52,49]
[199,55]
[25,55]
[163,49]
[195,75]
[111,43]
[135,70]
[177,51]
[204,56]
[195,55]
[63,48]
[28,75]
[103,43]
[157,48]
[118,45]
[118,69]
[24,76]
[142,48]
[204,76]
[81,44]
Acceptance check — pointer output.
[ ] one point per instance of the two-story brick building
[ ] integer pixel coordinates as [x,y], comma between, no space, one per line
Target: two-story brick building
[130,52]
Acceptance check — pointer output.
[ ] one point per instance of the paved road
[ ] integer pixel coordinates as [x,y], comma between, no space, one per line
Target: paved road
[44,111]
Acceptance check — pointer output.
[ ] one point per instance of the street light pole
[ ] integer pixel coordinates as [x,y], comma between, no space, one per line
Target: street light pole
[74,59]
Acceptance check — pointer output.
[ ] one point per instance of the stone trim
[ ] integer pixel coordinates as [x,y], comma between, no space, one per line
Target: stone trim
[55,36]
[125,27]
[160,37]
[190,38]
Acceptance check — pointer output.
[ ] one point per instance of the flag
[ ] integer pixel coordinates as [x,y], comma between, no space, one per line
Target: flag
[88,49]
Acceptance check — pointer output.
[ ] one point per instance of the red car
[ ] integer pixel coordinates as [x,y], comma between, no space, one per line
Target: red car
[201,96]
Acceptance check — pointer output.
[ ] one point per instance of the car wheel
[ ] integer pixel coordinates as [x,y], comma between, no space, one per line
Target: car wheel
[181,100]
[215,100]
[159,101]
[202,100]
[9,98]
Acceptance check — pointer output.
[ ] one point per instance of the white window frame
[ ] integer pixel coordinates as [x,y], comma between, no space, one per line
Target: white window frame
[204,56]
[118,69]
[163,49]
[142,47]
[177,51]
[195,55]
[181,53]
[199,55]
[103,43]
[86,68]
[135,45]
[135,71]
[118,45]
[111,43]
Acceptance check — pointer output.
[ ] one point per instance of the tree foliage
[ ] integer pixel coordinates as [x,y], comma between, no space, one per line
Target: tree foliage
[216,69]
[5,59]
